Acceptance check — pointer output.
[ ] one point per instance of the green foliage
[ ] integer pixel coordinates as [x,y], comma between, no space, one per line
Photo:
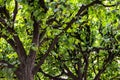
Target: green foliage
[92,38]
[118,37]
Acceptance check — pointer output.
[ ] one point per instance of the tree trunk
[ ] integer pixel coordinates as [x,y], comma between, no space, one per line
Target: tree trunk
[25,71]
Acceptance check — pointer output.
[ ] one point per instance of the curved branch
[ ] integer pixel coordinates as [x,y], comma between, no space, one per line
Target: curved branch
[36,68]
[15,42]
[20,49]
[111,5]
[35,40]
[80,13]
[51,77]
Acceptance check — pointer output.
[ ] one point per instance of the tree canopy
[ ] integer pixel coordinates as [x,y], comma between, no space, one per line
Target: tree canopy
[60,39]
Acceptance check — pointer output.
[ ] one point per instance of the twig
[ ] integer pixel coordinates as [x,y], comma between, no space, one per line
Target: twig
[3,62]
[51,77]
[111,5]
[15,10]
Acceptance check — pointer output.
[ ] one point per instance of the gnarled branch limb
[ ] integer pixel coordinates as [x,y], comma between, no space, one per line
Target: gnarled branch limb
[20,49]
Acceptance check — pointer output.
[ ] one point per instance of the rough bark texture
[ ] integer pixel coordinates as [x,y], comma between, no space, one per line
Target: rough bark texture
[27,69]
[24,72]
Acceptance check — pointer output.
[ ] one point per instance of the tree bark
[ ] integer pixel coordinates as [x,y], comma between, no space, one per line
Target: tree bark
[25,71]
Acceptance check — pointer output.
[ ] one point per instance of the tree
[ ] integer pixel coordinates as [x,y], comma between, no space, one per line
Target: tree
[59,40]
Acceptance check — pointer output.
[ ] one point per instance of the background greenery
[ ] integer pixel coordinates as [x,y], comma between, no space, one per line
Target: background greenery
[88,44]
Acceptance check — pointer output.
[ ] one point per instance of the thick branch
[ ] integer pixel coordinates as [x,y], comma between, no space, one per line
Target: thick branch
[80,11]
[20,49]
[42,4]
[57,37]
[35,40]
[15,42]
[4,11]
